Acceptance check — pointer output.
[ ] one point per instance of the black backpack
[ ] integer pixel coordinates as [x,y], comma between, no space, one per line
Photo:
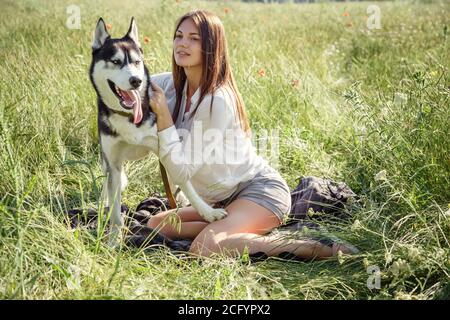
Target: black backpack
[315,195]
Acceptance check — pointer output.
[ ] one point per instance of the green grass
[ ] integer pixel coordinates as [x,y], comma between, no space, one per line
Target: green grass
[366,102]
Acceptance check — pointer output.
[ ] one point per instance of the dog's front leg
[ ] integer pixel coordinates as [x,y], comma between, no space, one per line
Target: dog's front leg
[114,202]
[104,194]
[179,195]
[112,167]
[206,211]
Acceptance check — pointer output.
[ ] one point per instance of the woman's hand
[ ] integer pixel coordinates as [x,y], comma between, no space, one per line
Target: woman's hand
[158,101]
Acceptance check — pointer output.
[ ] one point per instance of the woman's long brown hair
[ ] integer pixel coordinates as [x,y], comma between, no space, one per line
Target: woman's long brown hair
[215,62]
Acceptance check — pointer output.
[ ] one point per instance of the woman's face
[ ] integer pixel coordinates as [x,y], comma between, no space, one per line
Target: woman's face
[187,45]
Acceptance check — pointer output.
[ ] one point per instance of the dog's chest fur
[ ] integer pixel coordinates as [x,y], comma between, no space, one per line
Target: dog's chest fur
[129,132]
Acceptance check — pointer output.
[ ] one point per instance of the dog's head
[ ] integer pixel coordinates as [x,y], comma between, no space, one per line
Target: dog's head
[117,70]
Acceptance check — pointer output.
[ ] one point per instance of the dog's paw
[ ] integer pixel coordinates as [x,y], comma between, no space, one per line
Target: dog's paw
[215,214]
[114,239]
[113,243]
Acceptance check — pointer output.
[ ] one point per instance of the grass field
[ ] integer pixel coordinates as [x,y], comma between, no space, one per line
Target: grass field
[368,107]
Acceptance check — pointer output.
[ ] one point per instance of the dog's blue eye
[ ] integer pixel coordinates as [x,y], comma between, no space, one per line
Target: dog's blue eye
[115,61]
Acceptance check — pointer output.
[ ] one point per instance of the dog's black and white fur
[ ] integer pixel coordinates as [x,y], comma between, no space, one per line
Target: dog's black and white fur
[126,125]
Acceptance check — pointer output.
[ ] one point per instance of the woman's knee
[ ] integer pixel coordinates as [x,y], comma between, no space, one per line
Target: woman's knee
[159,220]
[154,222]
[207,243]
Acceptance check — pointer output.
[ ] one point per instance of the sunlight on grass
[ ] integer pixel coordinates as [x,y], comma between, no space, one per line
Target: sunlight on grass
[368,107]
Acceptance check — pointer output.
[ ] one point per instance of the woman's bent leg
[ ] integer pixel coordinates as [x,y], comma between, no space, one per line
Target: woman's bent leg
[245,226]
[185,223]
[274,246]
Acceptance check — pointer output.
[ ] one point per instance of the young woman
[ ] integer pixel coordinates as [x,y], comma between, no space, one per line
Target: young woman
[202,95]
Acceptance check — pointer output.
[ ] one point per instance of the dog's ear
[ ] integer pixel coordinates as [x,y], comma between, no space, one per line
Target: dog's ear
[133,32]
[100,35]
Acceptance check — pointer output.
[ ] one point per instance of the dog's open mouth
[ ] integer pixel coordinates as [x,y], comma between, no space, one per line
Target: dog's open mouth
[130,99]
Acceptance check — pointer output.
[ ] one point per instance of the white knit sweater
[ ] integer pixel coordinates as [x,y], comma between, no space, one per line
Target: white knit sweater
[210,149]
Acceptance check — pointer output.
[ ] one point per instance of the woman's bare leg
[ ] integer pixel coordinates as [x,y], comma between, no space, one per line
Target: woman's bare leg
[237,243]
[246,226]
[188,220]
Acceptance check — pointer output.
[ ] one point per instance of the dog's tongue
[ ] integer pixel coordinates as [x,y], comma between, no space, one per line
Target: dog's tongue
[137,110]
[132,98]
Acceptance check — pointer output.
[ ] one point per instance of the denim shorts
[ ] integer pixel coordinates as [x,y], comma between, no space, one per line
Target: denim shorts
[267,189]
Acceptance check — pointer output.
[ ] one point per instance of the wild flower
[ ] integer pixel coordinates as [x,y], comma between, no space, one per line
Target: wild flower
[262,72]
[381,176]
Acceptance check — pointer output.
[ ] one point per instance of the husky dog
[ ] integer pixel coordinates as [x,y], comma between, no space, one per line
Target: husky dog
[126,125]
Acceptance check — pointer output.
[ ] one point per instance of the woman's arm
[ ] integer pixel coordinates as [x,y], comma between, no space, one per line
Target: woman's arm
[158,103]
[183,159]
[165,82]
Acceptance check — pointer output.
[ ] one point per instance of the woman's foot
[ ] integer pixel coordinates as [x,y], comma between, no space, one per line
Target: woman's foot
[335,244]
[345,248]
